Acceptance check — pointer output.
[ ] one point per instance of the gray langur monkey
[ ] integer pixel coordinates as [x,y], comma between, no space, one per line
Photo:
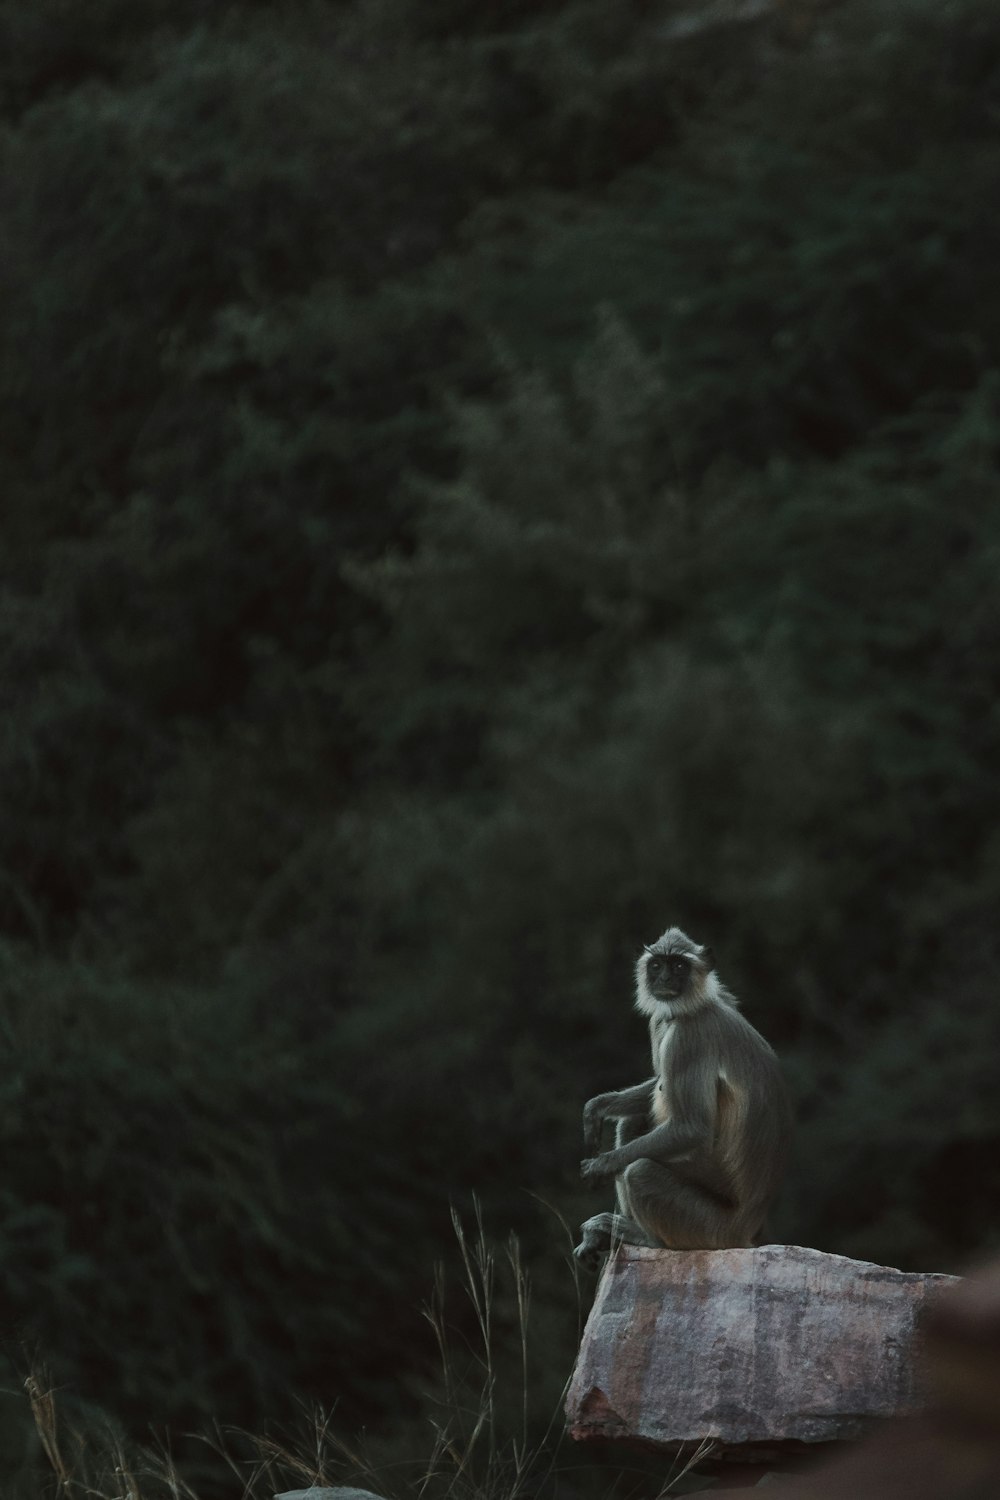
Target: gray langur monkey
[700,1147]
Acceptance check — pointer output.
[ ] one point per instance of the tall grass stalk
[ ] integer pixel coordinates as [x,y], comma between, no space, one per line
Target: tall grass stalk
[482,1446]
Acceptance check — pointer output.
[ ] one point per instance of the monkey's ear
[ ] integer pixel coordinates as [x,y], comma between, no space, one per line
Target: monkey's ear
[708,958]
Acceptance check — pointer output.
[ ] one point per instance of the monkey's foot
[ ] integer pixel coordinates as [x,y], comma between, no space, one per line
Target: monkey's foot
[590,1256]
[604,1233]
[596,1241]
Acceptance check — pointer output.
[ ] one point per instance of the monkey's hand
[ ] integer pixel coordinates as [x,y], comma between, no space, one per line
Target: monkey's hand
[593,1119]
[623,1104]
[596,1168]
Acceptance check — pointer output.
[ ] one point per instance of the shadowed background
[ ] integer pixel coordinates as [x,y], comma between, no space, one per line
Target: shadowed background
[480,482]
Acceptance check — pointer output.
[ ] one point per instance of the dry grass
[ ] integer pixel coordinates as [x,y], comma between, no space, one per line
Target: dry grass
[478,1442]
[88,1456]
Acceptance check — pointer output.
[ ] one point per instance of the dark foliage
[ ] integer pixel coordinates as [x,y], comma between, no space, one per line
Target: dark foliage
[480,483]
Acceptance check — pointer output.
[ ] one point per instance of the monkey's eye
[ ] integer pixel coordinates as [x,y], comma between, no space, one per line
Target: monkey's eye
[675,963]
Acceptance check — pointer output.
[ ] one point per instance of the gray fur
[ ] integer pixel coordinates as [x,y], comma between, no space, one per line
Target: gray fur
[700,1147]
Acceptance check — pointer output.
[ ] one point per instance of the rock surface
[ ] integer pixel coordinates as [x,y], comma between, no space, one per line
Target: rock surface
[777,1344]
[328,1492]
[951,1449]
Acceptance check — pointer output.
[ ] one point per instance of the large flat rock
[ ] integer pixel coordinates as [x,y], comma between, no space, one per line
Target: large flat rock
[778,1344]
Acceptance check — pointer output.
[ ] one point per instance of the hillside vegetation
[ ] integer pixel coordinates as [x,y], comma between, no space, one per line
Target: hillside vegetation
[480,482]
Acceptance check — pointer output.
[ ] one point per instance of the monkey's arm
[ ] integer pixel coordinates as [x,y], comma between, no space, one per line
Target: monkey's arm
[622,1105]
[691,1089]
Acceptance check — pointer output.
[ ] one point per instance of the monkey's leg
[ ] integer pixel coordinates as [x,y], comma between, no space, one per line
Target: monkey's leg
[678,1211]
[603,1232]
[628,1129]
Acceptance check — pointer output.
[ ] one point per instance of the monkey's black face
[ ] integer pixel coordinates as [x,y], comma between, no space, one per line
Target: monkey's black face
[667,974]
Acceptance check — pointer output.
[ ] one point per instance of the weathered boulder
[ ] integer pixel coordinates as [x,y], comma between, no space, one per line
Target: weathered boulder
[328,1492]
[950,1450]
[774,1345]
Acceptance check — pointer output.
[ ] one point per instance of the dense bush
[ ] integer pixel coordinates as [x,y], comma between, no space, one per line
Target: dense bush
[479,483]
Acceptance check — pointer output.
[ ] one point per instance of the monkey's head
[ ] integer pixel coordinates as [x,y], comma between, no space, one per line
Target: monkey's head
[674,976]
